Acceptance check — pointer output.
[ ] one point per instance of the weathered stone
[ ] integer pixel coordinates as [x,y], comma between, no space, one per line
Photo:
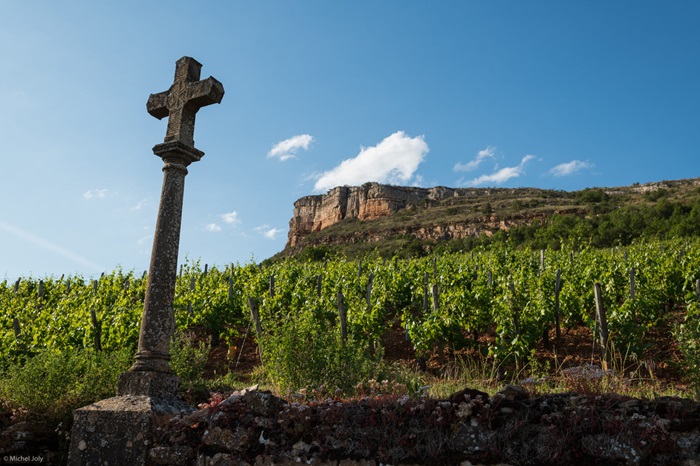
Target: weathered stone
[121,430]
[173,456]
[373,200]
[148,383]
[180,103]
[369,201]
[219,459]
[514,392]
[609,448]
[231,440]
[263,403]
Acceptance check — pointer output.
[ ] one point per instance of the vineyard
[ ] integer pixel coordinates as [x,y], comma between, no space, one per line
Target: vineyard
[297,309]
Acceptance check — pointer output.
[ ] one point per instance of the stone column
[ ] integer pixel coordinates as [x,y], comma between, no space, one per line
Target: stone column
[151,374]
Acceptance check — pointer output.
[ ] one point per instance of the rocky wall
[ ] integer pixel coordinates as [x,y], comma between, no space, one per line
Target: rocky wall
[511,427]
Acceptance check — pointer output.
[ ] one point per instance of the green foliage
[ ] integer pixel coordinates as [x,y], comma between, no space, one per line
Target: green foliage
[688,336]
[188,358]
[52,384]
[592,196]
[502,290]
[304,352]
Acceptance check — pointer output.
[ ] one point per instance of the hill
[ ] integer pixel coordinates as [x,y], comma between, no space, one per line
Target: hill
[414,221]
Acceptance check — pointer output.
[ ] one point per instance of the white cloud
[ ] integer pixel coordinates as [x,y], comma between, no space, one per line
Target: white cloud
[287,149]
[564,169]
[502,175]
[213,228]
[141,204]
[394,160]
[418,182]
[95,193]
[267,232]
[230,218]
[482,155]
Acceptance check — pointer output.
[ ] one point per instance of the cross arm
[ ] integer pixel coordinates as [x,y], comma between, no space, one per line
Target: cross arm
[157,105]
[205,92]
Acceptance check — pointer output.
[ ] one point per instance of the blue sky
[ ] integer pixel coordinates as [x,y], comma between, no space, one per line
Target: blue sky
[550,94]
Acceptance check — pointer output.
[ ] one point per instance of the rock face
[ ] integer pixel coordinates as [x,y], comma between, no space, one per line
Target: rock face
[366,202]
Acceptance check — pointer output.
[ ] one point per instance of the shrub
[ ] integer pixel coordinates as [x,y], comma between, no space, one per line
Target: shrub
[688,336]
[53,384]
[188,357]
[307,352]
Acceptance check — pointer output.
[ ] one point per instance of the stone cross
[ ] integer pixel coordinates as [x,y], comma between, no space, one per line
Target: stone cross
[181,102]
[151,374]
[121,430]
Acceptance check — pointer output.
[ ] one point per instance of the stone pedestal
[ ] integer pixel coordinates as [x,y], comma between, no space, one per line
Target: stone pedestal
[119,431]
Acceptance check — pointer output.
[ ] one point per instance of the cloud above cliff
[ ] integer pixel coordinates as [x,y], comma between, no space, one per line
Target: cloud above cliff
[95,194]
[394,160]
[268,232]
[482,155]
[287,149]
[230,217]
[501,175]
[569,168]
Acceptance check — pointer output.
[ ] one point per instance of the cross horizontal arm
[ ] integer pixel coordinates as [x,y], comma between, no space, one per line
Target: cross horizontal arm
[205,92]
[157,105]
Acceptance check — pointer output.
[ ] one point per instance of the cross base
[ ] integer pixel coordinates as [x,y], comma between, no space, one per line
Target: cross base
[119,430]
[149,383]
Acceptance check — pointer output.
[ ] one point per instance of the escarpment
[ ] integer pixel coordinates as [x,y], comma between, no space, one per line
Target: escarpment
[366,202]
[381,214]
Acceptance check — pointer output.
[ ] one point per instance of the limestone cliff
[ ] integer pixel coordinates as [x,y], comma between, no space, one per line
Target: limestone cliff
[366,202]
[375,213]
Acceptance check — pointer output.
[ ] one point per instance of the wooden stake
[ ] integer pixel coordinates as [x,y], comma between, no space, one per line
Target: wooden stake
[342,313]
[98,330]
[602,320]
[632,283]
[557,290]
[425,294]
[256,316]
[15,326]
[369,289]
[542,259]
[434,292]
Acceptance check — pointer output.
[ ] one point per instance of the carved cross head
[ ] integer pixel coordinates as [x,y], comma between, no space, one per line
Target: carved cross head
[185,97]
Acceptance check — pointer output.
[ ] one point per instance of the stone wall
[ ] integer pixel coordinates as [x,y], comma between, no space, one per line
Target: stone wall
[511,427]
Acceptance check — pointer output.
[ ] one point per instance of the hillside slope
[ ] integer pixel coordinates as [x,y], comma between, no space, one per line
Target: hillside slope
[354,220]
